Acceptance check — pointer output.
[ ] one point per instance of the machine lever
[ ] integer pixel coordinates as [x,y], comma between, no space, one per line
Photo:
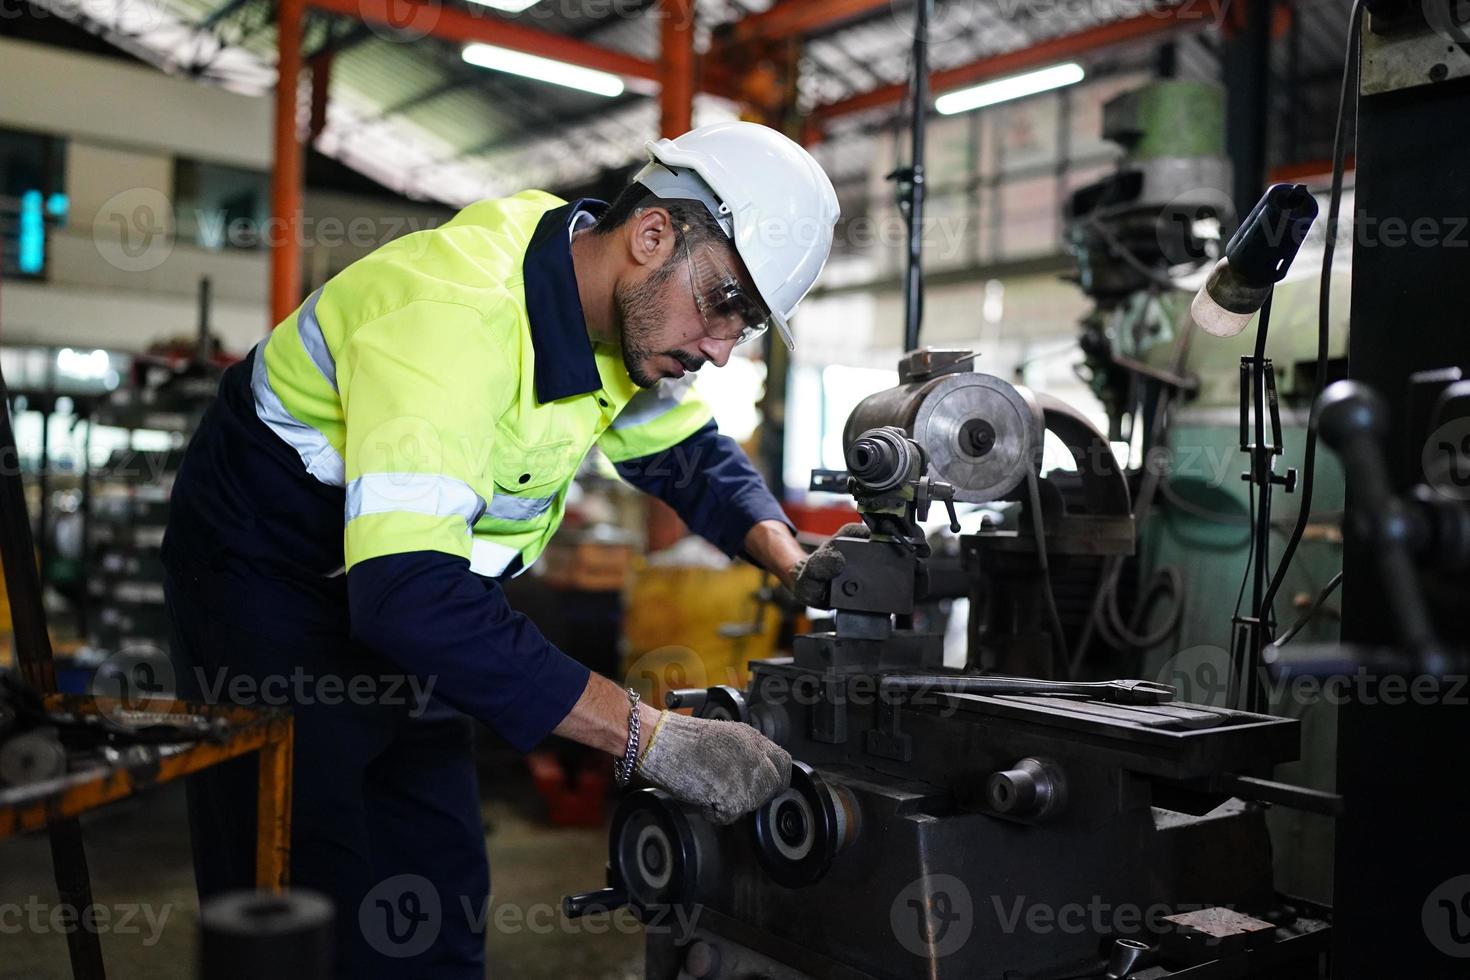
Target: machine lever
[603,900]
[1118,691]
[1282,794]
[686,697]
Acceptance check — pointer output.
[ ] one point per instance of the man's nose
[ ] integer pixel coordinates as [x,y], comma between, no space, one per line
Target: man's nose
[716,351]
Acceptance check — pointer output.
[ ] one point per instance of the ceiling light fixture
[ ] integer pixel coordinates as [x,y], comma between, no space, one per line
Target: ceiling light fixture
[509,6]
[543,69]
[1006,89]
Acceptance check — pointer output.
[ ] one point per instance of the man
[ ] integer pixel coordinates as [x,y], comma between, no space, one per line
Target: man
[405,439]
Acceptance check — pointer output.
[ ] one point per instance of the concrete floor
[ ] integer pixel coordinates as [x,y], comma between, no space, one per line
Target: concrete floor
[139,858]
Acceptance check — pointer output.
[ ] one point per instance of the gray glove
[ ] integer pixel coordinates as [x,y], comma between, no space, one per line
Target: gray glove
[815,572]
[726,768]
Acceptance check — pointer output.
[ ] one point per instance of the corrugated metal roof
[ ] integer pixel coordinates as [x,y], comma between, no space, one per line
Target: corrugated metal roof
[411,114]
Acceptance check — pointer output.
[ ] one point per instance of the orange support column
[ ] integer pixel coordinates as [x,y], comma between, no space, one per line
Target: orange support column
[285,236]
[676,84]
[675,117]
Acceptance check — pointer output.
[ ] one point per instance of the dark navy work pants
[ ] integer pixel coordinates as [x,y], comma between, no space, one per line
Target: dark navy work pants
[385,817]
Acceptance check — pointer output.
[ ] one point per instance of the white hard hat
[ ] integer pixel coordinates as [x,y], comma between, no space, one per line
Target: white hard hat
[768,194]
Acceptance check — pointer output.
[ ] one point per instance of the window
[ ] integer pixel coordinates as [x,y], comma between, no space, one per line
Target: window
[32,200]
[220,207]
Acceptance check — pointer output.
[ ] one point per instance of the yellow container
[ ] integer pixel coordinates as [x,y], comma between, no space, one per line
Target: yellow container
[693,627]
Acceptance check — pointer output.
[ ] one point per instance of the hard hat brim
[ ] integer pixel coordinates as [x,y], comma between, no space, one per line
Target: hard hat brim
[784,330]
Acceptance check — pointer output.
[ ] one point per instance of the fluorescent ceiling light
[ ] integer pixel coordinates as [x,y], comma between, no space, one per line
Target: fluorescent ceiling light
[543,69]
[1005,89]
[509,6]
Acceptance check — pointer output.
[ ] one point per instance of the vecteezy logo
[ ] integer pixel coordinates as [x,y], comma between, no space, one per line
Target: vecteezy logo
[1446,917]
[400,20]
[1447,459]
[401,916]
[933,916]
[135,675]
[133,229]
[1190,227]
[951,19]
[1198,674]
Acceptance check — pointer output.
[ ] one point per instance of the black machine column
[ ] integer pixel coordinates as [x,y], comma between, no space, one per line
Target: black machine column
[1404,833]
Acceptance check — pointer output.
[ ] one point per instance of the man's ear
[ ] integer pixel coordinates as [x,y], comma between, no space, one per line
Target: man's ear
[651,236]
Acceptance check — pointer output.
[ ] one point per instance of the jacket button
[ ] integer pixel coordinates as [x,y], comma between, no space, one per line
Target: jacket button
[525,478]
[602,402]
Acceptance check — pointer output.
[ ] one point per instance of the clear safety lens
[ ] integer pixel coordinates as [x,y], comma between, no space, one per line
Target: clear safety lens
[730,311]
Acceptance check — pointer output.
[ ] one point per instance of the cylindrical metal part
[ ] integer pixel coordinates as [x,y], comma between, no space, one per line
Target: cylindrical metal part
[247,935]
[686,697]
[702,960]
[882,460]
[1032,788]
[981,434]
[32,757]
[1124,957]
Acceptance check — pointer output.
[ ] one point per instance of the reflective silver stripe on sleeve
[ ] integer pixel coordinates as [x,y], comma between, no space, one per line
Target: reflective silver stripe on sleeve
[413,493]
[310,332]
[507,508]
[651,403]
[490,559]
[321,460]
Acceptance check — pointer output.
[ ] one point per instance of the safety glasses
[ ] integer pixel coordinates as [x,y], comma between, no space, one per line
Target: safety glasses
[730,311]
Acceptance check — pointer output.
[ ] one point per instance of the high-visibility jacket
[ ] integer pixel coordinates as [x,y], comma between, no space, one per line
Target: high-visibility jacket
[416,424]
[400,380]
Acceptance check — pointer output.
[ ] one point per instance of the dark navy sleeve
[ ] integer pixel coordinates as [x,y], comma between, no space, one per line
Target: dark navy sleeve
[712,486]
[428,613]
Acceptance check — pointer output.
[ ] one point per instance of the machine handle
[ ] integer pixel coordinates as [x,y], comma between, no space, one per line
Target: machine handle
[686,697]
[602,900]
[1283,794]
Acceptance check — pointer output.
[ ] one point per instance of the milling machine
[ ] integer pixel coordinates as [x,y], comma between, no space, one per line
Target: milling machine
[970,823]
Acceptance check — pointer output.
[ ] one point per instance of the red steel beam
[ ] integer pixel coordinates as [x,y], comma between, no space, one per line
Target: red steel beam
[676,83]
[795,18]
[1187,15]
[287,171]
[415,17]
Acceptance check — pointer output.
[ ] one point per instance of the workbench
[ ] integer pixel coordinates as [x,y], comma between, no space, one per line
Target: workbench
[36,806]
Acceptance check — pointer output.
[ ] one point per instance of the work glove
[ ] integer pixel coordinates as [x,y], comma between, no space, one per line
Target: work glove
[814,574]
[725,768]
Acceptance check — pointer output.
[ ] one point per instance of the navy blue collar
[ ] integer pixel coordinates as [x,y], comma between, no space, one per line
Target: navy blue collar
[565,365]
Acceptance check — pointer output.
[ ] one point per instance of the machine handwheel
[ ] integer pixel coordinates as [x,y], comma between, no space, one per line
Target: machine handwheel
[653,850]
[800,831]
[725,703]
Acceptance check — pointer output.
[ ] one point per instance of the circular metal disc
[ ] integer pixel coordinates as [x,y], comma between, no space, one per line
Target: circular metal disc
[1009,411]
[803,862]
[652,849]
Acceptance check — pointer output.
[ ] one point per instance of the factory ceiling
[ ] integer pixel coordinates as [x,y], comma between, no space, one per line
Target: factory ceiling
[405,108]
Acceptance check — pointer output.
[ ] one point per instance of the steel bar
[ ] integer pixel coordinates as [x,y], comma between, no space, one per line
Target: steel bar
[1175,17]
[454,24]
[33,653]
[286,171]
[676,82]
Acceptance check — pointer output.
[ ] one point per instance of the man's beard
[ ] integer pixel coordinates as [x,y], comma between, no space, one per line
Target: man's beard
[642,312]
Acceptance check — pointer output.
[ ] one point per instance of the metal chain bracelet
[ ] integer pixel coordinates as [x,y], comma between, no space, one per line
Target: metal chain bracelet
[623,768]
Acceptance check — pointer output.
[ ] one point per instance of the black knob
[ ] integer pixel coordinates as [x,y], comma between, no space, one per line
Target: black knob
[1348,410]
[602,900]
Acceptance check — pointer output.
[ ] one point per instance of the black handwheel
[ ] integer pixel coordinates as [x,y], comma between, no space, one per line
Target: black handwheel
[801,830]
[725,703]
[654,850]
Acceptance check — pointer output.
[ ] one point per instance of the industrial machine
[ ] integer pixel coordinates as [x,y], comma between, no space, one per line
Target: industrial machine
[971,823]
